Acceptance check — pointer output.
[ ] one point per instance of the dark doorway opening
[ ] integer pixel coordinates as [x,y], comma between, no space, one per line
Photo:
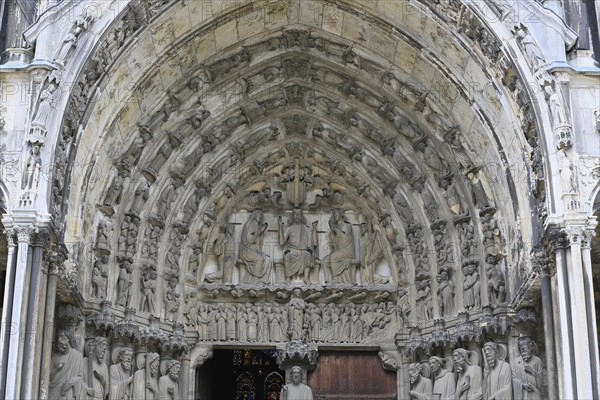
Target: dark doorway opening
[240,374]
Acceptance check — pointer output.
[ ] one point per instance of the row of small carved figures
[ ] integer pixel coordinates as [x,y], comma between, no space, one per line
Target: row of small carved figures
[264,322]
[499,379]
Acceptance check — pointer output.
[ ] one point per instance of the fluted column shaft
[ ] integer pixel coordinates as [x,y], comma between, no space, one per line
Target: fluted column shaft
[579,328]
[6,328]
[30,379]
[564,341]
[49,323]
[591,310]
[15,351]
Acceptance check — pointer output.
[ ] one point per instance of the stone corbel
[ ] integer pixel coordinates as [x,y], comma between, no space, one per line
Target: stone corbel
[391,359]
[297,353]
[200,354]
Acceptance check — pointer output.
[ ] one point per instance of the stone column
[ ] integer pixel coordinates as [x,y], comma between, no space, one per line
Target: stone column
[403,378]
[579,329]
[32,349]
[591,309]
[15,351]
[48,334]
[563,343]
[548,320]
[7,329]
[185,391]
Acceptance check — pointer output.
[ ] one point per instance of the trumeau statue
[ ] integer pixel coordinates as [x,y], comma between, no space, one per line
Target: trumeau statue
[527,371]
[299,244]
[255,265]
[67,371]
[497,373]
[296,390]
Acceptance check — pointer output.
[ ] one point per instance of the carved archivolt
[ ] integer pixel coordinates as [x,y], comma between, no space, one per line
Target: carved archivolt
[294,187]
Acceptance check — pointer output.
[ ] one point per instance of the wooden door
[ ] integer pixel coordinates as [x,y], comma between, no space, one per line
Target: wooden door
[351,375]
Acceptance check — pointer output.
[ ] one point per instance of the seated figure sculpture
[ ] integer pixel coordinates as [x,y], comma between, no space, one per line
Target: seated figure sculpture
[299,245]
[255,265]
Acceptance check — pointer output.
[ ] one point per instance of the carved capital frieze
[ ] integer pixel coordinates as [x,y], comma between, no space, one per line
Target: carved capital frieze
[587,236]
[176,342]
[127,328]
[41,236]
[103,320]
[68,316]
[465,329]
[24,233]
[440,336]
[543,261]
[10,236]
[575,234]
[558,239]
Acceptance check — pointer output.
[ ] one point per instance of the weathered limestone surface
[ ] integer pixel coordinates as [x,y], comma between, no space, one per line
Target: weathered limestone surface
[300,174]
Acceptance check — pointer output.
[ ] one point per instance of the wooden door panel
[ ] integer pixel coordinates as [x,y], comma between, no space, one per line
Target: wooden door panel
[351,376]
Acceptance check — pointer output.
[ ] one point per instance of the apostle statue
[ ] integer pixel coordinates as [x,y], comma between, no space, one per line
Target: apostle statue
[168,384]
[527,371]
[296,390]
[120,375]
[98,377]
[256,265]
[145,379]
[420,387]
[67,367]
[497,373]
[299,246]
[444,383]
[469,384]
[339,261]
